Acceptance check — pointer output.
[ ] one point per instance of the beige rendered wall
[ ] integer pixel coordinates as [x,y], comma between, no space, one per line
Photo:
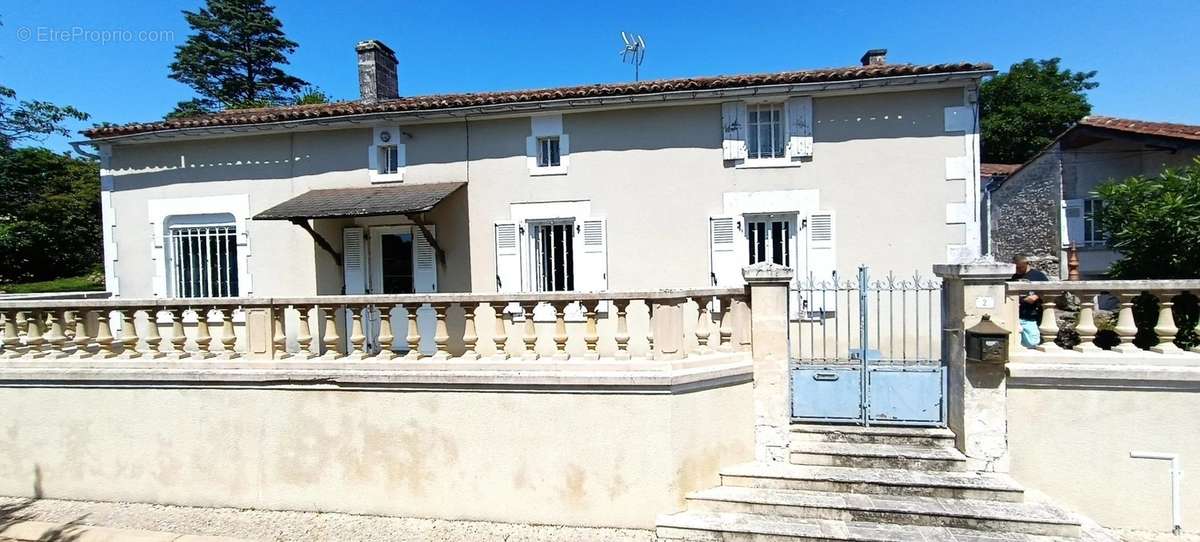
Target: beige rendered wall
[581,458]
[1073,444]
[655,173]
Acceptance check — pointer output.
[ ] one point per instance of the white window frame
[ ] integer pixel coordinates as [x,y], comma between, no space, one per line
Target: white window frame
[777,124]
[544,127]
[536,271]
[790,244]
[1093,235]
[218,249]
[168,211]
[789,153]
[549,151]
[376,161]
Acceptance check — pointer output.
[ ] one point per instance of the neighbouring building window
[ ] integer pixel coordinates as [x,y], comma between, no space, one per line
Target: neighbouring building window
[389,159]
[764,131]
[203,260]
[769,241]
[553,255]
[548,154]
[1092,234]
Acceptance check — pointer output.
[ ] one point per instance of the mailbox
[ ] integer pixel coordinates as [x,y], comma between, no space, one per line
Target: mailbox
[987,342]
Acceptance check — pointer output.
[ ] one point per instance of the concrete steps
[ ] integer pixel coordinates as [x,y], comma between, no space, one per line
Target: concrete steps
[867,484]
[955,485]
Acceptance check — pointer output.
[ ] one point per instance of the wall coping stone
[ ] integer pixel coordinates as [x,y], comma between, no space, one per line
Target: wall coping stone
[979,270]
[767,272]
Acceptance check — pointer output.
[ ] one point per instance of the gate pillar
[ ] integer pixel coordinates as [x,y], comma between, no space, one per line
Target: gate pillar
[768,284]
[977,406]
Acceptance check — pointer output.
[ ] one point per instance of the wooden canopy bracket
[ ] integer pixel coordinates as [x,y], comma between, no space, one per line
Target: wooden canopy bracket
[317,238]
[417,219]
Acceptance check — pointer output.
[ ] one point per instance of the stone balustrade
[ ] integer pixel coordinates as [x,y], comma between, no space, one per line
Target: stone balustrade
[1111,317]
[670,324]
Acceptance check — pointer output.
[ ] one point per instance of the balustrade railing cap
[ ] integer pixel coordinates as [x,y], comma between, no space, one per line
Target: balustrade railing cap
[767,272]
[983,269]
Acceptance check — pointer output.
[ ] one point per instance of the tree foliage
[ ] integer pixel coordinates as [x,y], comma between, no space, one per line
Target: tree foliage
[22,121]
[49,215]
[1023,110]
[234,58]
[1154,222]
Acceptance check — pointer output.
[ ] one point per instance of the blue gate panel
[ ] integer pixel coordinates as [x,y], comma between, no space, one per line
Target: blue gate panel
[905,396]
[827,394]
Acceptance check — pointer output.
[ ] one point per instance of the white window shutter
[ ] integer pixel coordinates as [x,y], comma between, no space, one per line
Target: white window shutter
[724,238]
[564,150]
[424,262]
[1072,222]
[821,257]
[508,257]
[733,130]
[354,261]
[799,127]
[591,255]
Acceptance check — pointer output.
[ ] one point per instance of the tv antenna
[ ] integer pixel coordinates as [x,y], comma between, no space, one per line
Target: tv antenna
[633,52]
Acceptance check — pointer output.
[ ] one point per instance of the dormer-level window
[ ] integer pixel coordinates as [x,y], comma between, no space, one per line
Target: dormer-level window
[548,152]
[389,159]
[386,155]
[764,133]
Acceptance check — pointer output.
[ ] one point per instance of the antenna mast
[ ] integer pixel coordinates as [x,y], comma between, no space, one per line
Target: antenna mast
[633,52]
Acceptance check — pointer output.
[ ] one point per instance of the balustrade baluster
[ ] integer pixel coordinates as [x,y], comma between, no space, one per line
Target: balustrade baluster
[741,321]
[530,338]
[278,332]
[441,336]
[106,343]
[11,340]
[725,334]
[178,335]
[1049,325]
[386,334]
[34,334]
[81,340]
[1086,326]
[358,339]
[591,335]
[650,354]
[228,336]
[55,338]
[622,335]
[560,331]
[331,339]
[129,337]
[703,325]
[304,338]
[1165,327]
[470,336]
[500,336]
[413,338]
[153,339]
[1126,326]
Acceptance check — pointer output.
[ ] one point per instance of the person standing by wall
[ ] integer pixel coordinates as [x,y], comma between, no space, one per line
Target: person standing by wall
[1030,311]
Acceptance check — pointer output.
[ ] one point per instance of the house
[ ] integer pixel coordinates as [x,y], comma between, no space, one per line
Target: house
[654,184]
[990,177]
[1047,205]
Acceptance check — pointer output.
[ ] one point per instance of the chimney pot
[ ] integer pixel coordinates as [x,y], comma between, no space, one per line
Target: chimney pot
[874,57]
[376,71]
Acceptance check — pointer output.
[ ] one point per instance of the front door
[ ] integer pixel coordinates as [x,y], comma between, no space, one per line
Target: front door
[394,269]
[773,238]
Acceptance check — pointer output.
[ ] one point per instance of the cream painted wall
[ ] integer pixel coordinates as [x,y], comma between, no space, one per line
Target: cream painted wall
[1073,444]
[580,458]
[656,174]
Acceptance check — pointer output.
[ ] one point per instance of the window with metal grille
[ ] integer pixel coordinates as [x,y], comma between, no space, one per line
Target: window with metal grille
[202,260]
[553,256]
[548,152]
[1092,234]
[764,131]
[769,241]
[389,159]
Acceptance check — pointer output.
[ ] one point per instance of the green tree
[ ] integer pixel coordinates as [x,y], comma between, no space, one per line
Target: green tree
[191,108]
[1023,110]
[22,121]
[49,215]
[234,58]
[311,95]
[1154,222]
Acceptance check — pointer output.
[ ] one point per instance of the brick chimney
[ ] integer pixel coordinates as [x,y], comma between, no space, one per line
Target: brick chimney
[874,57]
[376,71]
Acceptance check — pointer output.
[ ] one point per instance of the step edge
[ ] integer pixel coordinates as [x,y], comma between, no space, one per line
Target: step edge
[995,481]
[768,520]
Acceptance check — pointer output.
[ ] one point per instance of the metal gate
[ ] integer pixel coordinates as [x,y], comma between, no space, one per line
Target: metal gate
[869,351]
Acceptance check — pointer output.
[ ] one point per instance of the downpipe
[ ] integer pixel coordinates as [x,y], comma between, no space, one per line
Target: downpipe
[1176,480]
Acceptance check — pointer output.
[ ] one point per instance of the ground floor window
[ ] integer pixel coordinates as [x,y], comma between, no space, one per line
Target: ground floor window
[769,240]
[203,260]
[553,255]
[1092,234]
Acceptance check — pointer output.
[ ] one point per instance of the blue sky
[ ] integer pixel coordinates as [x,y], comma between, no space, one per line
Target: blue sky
[1144,51]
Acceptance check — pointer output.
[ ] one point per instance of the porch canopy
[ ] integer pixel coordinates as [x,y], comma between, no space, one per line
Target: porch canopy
[400,199]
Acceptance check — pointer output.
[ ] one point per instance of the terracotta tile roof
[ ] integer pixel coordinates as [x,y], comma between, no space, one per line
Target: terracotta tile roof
[1163,129]
[450,101]
[991,170]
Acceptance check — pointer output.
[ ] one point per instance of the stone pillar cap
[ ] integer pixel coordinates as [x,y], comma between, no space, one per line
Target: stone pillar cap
[767,272]
[982,268]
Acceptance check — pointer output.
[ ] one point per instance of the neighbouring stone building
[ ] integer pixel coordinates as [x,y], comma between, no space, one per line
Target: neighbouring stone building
[1047,204]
